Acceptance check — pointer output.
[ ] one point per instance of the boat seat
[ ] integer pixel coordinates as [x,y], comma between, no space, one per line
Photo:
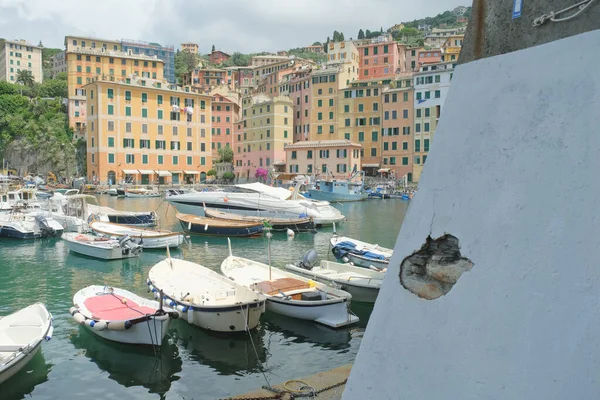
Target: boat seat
[115,308]
[284,284]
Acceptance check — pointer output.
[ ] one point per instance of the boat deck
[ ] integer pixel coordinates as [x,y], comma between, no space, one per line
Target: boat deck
[274,287]
[112,307]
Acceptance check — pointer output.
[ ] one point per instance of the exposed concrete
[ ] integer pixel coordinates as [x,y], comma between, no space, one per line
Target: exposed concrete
[514,175]
[492,29]
[317,381]
[434,269]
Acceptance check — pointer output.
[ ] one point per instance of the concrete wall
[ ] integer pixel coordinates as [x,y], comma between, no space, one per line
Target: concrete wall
[515,180]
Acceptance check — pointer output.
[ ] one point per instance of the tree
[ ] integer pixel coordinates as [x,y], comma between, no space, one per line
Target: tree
[185,62]
[211,172]
[213,48]
[240,60]
[341,36]
[53,88]
[361,34]
[381,30]
[368,34]
[336,36]
[25,77]
[40,44]
[225,155]
[7,88]
[228,176]
[317,44]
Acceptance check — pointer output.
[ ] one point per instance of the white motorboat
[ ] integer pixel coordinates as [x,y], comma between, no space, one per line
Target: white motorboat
[134,218]
[71,211]
[359,253]
[206,298]
[257,200]
[121,316]
[100,247]
[21,336]
[291,294]
[147,238]
[362,283]
[141,193]
[30,225]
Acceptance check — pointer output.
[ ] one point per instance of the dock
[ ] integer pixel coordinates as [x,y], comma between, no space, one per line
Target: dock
[333,381]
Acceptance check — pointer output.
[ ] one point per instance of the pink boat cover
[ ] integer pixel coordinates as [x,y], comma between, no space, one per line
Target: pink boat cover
[111,307]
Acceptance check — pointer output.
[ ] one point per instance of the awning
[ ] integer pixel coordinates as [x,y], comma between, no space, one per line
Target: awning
[175,172]
[131,171]
[146,172]
[278,163]
[384,170]
[191,172]
[370,165]
[163,173]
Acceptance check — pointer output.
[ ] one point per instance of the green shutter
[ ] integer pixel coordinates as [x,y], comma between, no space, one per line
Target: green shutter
[111,109]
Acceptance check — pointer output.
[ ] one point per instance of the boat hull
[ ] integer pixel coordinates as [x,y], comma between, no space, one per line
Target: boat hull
[19,364]
[115,253]
[212,230]
[365,262]
[140,196]
[8,231]
[336,197]
[151,332]
[145,220]
[147,239]
[361,294]
[333,314]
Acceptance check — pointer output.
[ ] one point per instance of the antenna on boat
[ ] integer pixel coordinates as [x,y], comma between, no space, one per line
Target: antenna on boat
[229,245]
[269,236]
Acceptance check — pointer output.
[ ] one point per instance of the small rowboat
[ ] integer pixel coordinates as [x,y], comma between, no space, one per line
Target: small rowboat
[216,227]
[121,316]
[21,336]
[362,283]
[277,224]
[100,247]
[290,294]
[147,238]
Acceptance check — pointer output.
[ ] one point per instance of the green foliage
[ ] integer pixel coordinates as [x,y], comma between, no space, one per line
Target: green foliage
[185,62]
[238,59]
[7,88]
[61,76]
[317,44]
[446,17]
[316,57]
[53,88]
[25,77]
[225,154]
[48,52]
[213,48]
[228,176]
[338,36]
[211,172]
[361,34]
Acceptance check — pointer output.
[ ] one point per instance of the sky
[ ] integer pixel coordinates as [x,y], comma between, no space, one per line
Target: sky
[231,25]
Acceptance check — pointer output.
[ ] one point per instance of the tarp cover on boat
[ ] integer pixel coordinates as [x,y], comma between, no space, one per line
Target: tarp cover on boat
[343,248]
[280,193]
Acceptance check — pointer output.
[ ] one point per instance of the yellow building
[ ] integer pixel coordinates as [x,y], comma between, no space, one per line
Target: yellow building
[146,131]
[267,128]
[345,53]
[451,48]
[192,48]
[19,55]
[360,120]
[87,59]
[325,87]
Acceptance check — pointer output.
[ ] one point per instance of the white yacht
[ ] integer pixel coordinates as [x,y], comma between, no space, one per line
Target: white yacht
[256,199]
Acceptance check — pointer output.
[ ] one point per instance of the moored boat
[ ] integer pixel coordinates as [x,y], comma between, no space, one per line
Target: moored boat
[141,193]
[121,316]
[134,218]
[101,247]
[28,226]
[362,283]
[204,297]
[21,336]
[216,227]
[147,238]
[360,253]
[277,224]
[291,294]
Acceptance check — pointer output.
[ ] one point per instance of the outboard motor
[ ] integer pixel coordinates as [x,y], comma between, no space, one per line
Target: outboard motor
[309,260]
[45,229]
[129,246]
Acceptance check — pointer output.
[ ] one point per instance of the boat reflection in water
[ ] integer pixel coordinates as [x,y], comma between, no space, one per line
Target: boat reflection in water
[228,354]
[132,365]
[23,383]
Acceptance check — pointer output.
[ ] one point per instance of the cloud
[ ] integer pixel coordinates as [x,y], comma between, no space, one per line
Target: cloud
[231,25]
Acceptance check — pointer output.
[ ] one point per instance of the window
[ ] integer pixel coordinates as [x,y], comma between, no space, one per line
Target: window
[285,134]
[319,103]
[319,129]
[405,114]
[128,95]
[144,158]
[309,154]
[374,136]
[417,128]
[426,129]
[160,114]
[385,146]
[361,136]
[111,109]
[404,160]
[427,95]
[160,144]
[144,113]
[160,159]
[418,95]
[375,107]
[175,160]
[404,145]
[386,115]
[419,112]
[347,136]
[331,115]
[425,146]
[373,152]
[129,159]
[394,114]
[294,155]
[111,158]
[128,111]
[110,93]
[189,160]
[427,112]
[111,126]
[366,51]
[346,108]
[438,94]
[330,102]
[175,131]
[417,145]
[159,99]
[79,80]
[320,116]
[437,79]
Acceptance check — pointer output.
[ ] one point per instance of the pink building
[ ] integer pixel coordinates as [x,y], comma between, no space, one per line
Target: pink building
[433,56]
[412,58]
[205,79]
[300,94]
[328,158]
[217,57]
[378,59]
[224,115]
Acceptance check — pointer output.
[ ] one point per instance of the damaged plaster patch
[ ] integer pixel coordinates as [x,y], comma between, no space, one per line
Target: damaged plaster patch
[434,269]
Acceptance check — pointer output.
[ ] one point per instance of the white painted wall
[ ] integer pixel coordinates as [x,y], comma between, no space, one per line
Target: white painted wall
[516,180]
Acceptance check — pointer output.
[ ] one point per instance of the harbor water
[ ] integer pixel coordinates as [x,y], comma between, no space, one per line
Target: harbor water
[194,364]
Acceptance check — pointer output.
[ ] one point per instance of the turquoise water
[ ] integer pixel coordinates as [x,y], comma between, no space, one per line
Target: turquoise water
[194,364]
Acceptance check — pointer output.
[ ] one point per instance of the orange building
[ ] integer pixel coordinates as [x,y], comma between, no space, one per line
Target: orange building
[433,56]
[146,131]
[217,57]
[378,59]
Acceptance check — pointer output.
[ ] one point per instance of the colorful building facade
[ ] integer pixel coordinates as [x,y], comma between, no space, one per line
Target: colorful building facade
[378,59]
[326,159]
[225,113]
[16,56]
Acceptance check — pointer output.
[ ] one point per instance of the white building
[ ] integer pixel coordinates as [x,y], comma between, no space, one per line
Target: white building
[19,55]
[431,84]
